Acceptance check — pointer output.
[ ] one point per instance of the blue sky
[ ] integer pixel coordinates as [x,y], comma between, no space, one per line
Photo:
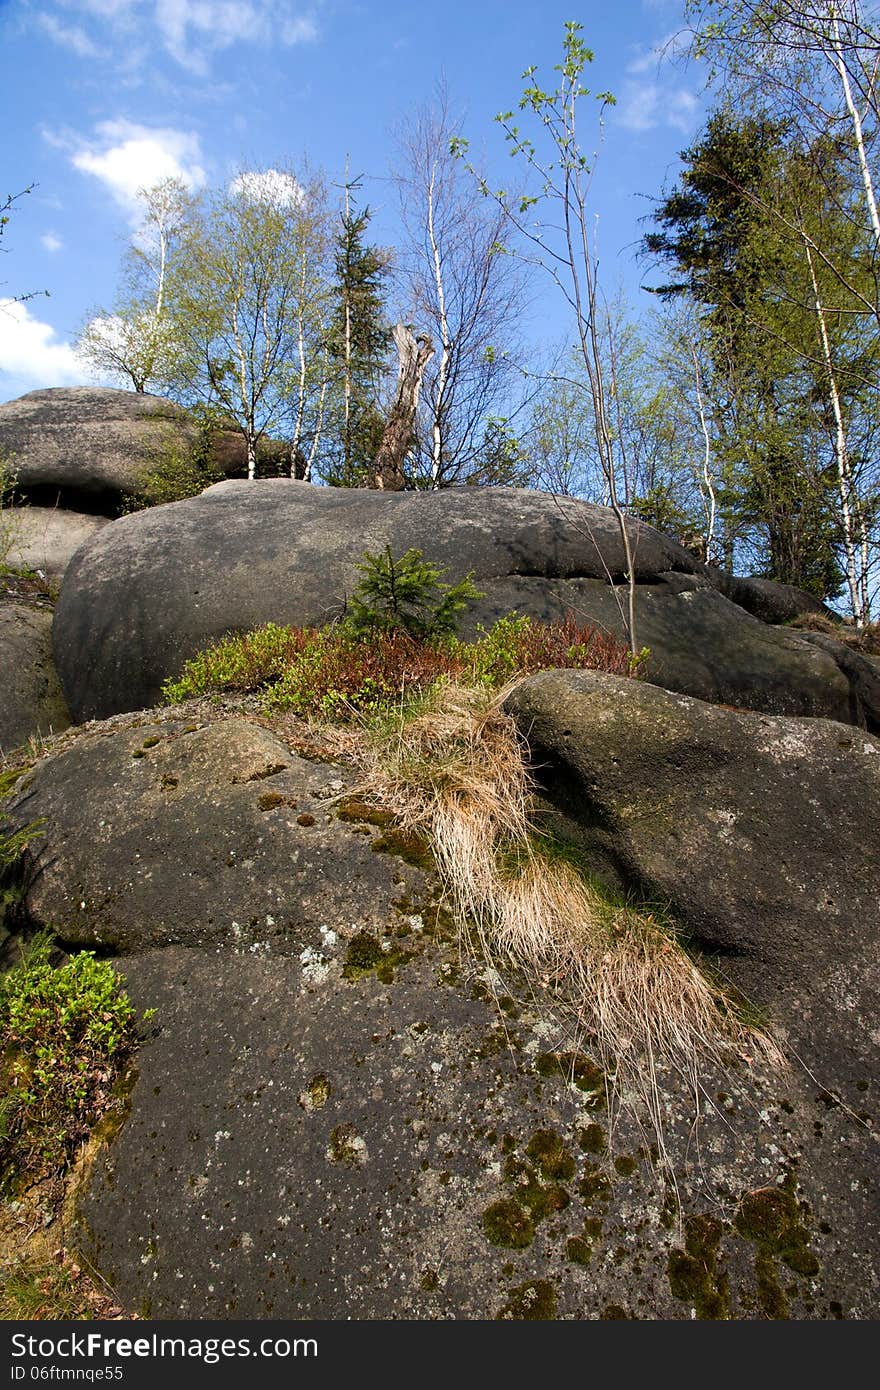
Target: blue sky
[99,97]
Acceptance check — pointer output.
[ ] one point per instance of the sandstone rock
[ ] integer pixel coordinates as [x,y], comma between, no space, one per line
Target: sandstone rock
[31,701]
[152,589]
[88,446]
[341,1123]
[46,538]
[174,833]
[369,1150]
[765,598]
[750,828]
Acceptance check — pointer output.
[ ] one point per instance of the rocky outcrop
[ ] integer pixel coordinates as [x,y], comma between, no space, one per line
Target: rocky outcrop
[152,589]
[173,833]
[766,599]
[84,447]
[348,1118]
[47,538]
[31,701]
[750,830]
[741,819]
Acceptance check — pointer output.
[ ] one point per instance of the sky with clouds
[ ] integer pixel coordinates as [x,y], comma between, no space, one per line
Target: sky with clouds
[101,98]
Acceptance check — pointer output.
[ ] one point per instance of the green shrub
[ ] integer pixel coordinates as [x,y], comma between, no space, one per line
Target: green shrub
[334,673]
[65,1032]
[340,675]
[406,595]
[9,520]
[518,646]
[242,661]
[178,472]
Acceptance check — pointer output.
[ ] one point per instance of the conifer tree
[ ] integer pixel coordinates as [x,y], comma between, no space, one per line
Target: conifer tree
[359,342]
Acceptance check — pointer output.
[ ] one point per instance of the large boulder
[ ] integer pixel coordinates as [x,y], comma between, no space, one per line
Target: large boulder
[47,538]
[152,589]
[89,446]
[170,832]
[31,701]
[347,1118]
[751,829]
[767,599]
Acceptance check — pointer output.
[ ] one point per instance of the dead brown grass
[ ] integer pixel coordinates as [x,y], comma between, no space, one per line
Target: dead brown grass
[459,772]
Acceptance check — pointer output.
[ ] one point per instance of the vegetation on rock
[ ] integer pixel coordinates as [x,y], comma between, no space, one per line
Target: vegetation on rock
[66,1032]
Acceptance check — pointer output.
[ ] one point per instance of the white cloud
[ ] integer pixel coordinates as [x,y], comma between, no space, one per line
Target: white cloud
[32,353]
[191,31]
[646,105]
[128,157]
[299,29]
[268,186]
[670,46]
[51,242]
[68,36]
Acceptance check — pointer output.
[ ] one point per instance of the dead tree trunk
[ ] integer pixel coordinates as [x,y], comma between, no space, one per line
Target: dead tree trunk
[414,354]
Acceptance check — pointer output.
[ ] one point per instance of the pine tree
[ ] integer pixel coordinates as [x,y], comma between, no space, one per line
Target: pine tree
[359,343]
[732,233]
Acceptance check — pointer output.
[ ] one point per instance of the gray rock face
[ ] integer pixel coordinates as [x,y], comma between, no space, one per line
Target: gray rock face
[94,443]
[750,828]
[47,538]
[171,833]
[152,589]
[767,600]
[31,701]
[360,1149]
[319,1130]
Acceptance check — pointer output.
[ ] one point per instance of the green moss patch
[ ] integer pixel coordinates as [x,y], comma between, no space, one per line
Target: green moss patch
[772,1218]
[508,1224]
[546,1149]
[577,1068]
[365,956]
[694,1273]
[533,1301]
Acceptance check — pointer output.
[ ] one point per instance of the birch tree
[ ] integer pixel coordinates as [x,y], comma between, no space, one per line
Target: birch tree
[136,341]
[465,289]
[556,226]
[242,303]
[813,62]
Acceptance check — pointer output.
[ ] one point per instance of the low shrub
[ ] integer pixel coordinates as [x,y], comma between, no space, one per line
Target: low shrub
[241,661]
[65,1033]
[9,519]
[517,645]
[335,673]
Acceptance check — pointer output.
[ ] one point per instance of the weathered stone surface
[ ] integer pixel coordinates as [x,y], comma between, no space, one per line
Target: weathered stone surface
[92,443]
[703,645]
[358,1149]
[321,1130]
[765,598]
[46,538]
[152,589]
[861,671]
[751,828]
[174,833]
[31,701]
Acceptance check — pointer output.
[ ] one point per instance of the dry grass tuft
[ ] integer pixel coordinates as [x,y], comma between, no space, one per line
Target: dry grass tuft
[458,770]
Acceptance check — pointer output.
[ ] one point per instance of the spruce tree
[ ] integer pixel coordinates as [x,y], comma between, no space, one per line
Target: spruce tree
[359,343]
[728,232]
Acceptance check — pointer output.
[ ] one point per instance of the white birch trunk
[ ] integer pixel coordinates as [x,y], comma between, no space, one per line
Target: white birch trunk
[841,454]
[858,132]
[710,507]
[445,341]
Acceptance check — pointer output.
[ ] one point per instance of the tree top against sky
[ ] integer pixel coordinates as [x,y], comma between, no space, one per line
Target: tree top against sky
[102,98]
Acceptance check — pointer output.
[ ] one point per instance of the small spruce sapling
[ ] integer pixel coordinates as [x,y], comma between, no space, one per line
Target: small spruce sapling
[406,595]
